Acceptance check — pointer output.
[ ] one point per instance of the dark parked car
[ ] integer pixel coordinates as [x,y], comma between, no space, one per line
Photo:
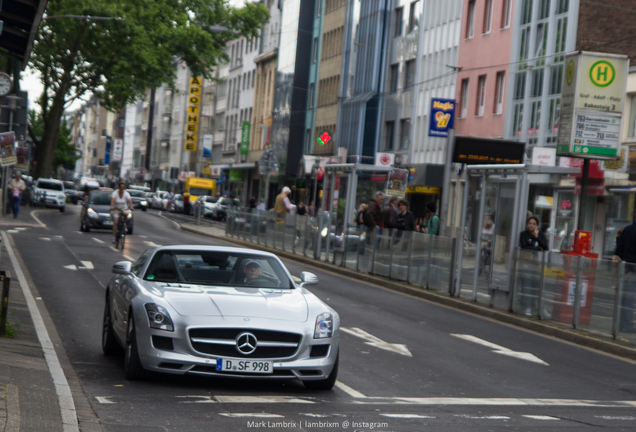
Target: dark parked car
[70,189]
[96,212]
[138,199]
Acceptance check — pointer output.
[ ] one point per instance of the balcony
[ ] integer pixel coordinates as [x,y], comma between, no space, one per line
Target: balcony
[166,110]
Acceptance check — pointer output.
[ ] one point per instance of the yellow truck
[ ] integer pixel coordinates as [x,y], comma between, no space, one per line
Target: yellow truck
[197,186]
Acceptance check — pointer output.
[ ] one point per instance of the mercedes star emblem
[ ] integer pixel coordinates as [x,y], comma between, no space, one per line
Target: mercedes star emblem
[246,343]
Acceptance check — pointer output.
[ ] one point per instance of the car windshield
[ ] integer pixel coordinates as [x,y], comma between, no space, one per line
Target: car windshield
[199,191]
[163,195]
[226,201]
[137,194]
[44,184]
[100,198]
[218,269]
[70,185]
[211,199]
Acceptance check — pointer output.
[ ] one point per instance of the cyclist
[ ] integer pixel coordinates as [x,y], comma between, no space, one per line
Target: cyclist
[120,201]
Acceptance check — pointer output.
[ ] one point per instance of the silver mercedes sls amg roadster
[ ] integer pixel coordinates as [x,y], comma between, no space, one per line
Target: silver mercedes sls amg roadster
[219,311]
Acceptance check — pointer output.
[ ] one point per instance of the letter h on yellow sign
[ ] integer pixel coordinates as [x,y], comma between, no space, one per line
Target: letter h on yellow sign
[193,113]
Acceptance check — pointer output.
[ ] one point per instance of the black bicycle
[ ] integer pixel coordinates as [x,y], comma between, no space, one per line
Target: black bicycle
[122,228]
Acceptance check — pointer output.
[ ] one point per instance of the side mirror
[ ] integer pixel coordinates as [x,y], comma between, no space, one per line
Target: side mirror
[308,278]
[123,268]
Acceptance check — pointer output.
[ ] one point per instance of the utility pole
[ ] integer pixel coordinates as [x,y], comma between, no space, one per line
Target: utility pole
[151,117]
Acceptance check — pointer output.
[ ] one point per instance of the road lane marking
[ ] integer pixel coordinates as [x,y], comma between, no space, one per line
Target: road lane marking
[296,279]
[498,349]
[65,397]
[45,238]
[114,248]
[262,399]
[13,231]
[36,218]
[540,417]
[408,416]
[351,392]
[495,401]
[97,240]
[143,236]
[376,342]
[151,244]
[20,228]
[256,415]
[104,400]
[71,267]
[88,265]
[129,258]
[474,417]
[200,399]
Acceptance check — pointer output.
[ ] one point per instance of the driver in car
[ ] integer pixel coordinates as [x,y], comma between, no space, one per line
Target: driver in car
[252,270]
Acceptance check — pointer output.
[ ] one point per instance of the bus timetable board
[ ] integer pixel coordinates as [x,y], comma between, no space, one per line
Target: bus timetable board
[482,151]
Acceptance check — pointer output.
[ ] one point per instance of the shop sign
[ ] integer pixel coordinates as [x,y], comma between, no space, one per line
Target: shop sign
[544,156]
[107,150]
[422,190]
[7,149]
[396,183]
[442,117]
[385,159]
[207,146]
[245,138]
[193,114]
[117,149]
[236,175]
[592,101]
[617,165]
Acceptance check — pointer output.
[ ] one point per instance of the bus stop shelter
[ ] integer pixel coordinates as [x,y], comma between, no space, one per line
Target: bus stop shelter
[494,210]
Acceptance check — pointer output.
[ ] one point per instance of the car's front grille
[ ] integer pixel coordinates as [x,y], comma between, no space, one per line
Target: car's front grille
[222,342]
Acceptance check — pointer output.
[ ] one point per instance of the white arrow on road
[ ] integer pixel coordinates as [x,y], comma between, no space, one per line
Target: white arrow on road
[152,244]
[376,342]
[502,350]
[71,267]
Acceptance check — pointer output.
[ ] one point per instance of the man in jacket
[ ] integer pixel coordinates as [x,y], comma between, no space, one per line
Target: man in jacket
[389,214]
[372,216]
[282,203]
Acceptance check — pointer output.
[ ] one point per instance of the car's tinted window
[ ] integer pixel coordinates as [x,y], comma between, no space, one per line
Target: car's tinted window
[211,199]
[70,185]
[44,184]
[137,194]
[217,268]
[100,198]
[141,261]
[226,201]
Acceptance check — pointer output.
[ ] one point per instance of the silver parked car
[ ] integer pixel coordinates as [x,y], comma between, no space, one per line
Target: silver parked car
[219,311]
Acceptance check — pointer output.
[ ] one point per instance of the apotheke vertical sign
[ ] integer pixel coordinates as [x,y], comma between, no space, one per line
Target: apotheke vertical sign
[592,102]
[193,114]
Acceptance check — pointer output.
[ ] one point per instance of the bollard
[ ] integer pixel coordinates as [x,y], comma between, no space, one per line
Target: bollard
[6,281]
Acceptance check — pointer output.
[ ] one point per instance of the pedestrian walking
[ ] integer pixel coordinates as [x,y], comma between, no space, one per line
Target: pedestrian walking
[390,212]
[405,221]
[373,214]
[431,226]
[534,240]
[282,204]
[626,251]
[16,188]
[253,202]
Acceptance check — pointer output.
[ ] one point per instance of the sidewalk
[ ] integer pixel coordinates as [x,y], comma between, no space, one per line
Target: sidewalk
[25,219]
[548,328]
[31,399]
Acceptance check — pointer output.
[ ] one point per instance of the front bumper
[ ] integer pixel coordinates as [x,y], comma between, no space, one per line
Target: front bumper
[183,358]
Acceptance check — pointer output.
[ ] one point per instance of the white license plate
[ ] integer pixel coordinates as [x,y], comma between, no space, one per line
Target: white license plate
[107,223]
[249,366]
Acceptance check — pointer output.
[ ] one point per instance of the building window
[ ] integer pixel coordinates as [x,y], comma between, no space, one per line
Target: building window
[389,128]
[393,78]
[311,95]
[562,6]
[409,75]
[318,7]
[315,50]
[525,44]
[470,22]
[631,132]
[499,92]
[464,98]
[517,122]
[399,12]
[520,86]
[505,17]
[488,17]
[535,118]
[405,133]
[526,12]
[537,83]
[413,22]
[544,9]
[481,95]
[308,142]
[556,79]
[553,119]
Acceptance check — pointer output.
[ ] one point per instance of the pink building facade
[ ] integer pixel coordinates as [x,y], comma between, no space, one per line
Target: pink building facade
[484,54]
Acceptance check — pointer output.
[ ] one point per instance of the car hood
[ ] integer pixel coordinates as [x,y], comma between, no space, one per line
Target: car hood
[268,303]
[100,208]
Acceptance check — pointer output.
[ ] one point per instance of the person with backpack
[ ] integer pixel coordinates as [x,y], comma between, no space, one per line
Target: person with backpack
[431,226]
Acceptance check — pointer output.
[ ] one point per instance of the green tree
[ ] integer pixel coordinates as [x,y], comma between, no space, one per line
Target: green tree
[118,60]
[64,152]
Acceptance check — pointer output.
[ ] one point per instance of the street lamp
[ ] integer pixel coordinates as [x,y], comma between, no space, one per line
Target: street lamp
[316,168]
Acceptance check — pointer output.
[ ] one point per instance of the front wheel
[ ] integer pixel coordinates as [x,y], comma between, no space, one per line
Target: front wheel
[62,209]
[133,369]
[326,384]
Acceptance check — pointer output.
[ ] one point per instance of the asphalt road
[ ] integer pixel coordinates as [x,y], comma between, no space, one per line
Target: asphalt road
[464,373]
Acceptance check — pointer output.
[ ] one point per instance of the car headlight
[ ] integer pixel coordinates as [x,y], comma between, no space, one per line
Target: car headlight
[143,202]
[324,326]
[158,317]
[91,213]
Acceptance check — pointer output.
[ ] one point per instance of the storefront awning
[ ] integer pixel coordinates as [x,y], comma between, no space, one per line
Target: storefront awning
[243,165]
[20,22]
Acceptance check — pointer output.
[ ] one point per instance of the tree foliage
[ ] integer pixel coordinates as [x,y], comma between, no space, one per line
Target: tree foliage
[64,154]
[118,60]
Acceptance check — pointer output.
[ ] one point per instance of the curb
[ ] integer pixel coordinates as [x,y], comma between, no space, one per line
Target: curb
[570,335]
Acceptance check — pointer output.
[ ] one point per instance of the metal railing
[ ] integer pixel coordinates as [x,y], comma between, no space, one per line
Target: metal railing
[421,260]
[590,294]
